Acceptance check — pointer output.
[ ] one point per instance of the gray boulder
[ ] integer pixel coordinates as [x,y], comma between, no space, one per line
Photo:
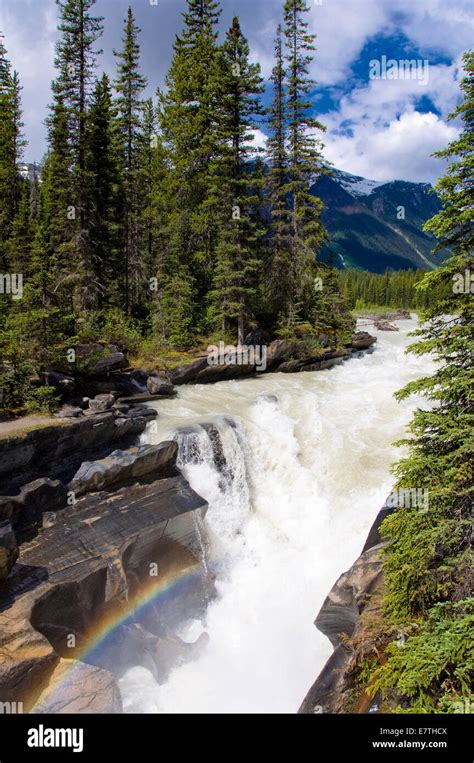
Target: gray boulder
[125,466]
[101,359]
[101,403]
[383,325]
[362,340]
[69,412]
[156,385]
[62,382]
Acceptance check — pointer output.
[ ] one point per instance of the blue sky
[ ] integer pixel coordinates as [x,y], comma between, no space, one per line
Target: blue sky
[381,129]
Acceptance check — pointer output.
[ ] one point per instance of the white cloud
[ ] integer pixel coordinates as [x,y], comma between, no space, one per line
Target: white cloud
[259,139]
[389,138]
[400,149]
[342,29]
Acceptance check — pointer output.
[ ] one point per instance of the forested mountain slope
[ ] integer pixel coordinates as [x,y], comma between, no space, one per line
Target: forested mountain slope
[375,226]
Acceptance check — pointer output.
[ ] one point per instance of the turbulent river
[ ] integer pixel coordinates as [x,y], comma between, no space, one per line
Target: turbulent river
[308,468]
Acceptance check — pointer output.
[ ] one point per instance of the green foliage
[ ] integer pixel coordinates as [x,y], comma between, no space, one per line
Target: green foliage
[110,327]
[432,670]
[14,384]
[305,161]
[104,200]
[129,85]
[428,568]
[233,188]
[155,226]
[42,400]
[403,289]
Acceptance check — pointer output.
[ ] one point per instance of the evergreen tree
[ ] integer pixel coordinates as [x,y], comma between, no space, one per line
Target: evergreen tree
[102,197]
[129,86]
[11,151]
[22,233]
[305,160]
[429,563]
[189,133]
[279,266]
[236,85]
[147,156]
[75,61]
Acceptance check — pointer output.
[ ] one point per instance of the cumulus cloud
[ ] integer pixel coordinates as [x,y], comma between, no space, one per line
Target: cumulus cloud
[399,150]
[371,115]
[377,130]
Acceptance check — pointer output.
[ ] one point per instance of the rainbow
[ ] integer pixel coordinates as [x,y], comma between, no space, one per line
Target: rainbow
[100,636]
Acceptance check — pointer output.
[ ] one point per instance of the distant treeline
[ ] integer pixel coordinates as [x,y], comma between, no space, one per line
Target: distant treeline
[391,289]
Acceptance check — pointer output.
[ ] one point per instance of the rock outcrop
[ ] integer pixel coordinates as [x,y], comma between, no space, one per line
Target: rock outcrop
[84,689]
[156,385]
[58,451]
[383,325]
[362,340]
[356,591]
[123,467]
[280,357]
[86,569]
[25,510]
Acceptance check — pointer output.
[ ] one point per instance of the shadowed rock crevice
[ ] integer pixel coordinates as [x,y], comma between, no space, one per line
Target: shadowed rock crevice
[357,591]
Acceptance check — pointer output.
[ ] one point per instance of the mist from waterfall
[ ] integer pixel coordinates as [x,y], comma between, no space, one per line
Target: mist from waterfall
[294,468]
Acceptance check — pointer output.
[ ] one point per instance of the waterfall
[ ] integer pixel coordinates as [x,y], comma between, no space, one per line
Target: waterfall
[213,459]
[295,469]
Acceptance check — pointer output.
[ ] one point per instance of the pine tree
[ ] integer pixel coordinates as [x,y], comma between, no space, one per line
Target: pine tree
[189,133]
[129,85]
[75,61]
[102,197]
[11,151]
[279,265]
[236,86]
[22,233]
[305,160]
[429,564]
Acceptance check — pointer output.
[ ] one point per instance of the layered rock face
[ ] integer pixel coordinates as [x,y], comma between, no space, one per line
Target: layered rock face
[355,592]
[58,450]
[122,530]
[280,357]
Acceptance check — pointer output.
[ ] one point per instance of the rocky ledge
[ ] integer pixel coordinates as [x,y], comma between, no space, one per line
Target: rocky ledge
[131,527]
[282,357]
[357,591]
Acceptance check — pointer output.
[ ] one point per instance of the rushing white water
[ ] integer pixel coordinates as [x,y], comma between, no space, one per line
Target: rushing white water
[305,476]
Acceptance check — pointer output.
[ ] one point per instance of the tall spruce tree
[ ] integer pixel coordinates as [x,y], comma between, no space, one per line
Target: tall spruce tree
[189,133]
[278,267]
[11,151]
[103,204]
[429,562]
[22,233]
[129,85]
[305,159]
[76,61]
[153,193]
[236,86]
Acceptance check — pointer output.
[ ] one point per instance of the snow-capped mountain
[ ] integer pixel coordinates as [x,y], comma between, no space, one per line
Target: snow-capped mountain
[355,185]
[375,225]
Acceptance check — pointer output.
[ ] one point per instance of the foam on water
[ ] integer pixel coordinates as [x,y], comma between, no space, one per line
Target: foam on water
[304,478]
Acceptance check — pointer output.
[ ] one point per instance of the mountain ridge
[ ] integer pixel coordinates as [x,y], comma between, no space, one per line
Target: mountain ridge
[375,225]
